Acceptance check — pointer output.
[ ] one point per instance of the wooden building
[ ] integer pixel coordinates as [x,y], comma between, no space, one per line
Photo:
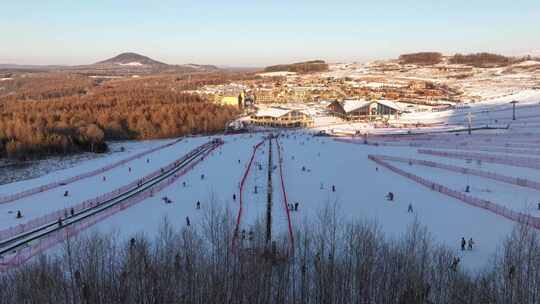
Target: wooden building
[365,109]
[281,118]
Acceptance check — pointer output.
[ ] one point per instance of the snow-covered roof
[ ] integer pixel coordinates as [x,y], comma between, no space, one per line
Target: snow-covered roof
[390,104]
[351,105]
[273,112]
[528,63]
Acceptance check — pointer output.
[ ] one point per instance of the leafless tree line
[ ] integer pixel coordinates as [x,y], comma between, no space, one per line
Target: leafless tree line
[334,261]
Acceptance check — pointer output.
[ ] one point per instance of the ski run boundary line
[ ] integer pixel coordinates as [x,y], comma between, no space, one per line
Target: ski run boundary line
[527,162]
[470,200]
[63,234]
[62,213]
[518,181]
[53,185]
[285,202]
[240,195]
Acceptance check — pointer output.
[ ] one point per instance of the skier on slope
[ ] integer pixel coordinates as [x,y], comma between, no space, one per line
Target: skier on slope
[511,271]
[463,243]
[410,210]
[19,214]
[296,206]
[455,263]
[66,193]
[234,197]
[470,244]
[198,205]
[188,222]
[333,188]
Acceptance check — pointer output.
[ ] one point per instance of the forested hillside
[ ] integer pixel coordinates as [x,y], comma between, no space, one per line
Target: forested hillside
[60,113]
[299,67]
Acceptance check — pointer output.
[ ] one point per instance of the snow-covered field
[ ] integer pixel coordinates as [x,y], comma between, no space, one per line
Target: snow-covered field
[311,167]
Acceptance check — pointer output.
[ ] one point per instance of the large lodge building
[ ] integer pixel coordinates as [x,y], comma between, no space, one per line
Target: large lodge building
[281,118]
[364,109]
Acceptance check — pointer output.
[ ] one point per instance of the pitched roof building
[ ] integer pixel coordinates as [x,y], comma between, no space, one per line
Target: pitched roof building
[281,118]
[365,109]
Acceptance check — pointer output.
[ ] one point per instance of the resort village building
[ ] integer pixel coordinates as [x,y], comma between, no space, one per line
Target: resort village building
[365,109]
[281,118]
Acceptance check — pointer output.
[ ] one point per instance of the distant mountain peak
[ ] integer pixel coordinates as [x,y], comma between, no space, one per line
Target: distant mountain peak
[132,59]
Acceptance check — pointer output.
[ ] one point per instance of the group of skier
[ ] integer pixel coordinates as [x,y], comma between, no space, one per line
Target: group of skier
[250,235]
[466,244]
[293,207]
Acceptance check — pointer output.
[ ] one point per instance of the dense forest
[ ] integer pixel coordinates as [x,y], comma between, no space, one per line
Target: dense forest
[422,58]
[481,60]
[334,261]
[44,114]
[300,67]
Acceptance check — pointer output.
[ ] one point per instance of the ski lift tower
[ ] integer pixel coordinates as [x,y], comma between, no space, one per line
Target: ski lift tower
[513,102]
[469,119]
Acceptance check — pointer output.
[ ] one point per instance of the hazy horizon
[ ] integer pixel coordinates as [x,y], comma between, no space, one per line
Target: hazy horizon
[255,33]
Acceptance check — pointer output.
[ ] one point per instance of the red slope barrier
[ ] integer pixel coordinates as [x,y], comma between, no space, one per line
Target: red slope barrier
[522,182]
[63,234]
[470,200]
[46,187]
[241,190]
[527,162]
[285,203]
[62,213]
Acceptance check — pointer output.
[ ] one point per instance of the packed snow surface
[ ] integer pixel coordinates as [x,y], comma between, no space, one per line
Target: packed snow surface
[318,171]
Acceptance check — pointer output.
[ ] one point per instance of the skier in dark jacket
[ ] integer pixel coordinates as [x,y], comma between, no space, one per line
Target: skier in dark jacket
[410,210]
[198,205]
[19,214]
[455,263]
[463,243]
[470,244]
[188,223]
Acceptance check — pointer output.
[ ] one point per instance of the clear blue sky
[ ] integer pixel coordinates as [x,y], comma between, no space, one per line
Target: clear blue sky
[252,33]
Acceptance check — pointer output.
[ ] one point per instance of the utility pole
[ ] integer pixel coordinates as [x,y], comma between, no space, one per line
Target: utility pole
[469,118]
[513,102]
[269,193]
